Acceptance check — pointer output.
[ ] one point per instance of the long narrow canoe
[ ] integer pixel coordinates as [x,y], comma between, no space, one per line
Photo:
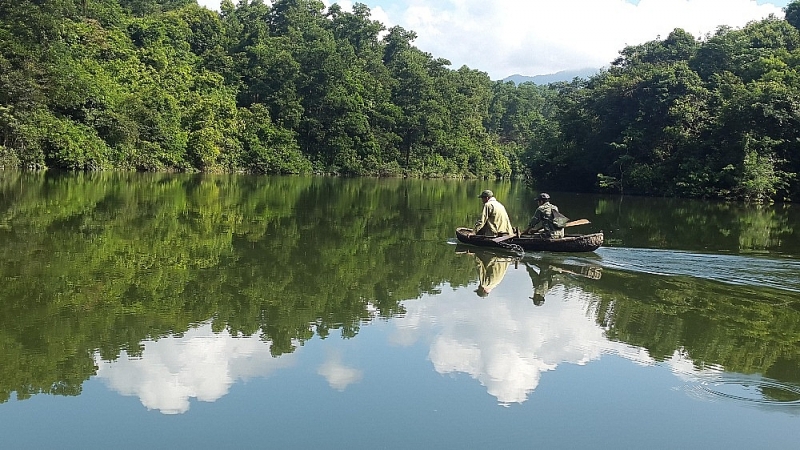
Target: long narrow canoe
[569,243]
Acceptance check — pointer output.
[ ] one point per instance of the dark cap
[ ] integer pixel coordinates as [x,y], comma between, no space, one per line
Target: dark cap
[486,194]
[544,196]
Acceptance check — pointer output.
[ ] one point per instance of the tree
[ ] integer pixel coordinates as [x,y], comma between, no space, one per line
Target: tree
[792,13]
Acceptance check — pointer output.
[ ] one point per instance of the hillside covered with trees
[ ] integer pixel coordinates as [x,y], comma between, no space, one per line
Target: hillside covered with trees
[294,87]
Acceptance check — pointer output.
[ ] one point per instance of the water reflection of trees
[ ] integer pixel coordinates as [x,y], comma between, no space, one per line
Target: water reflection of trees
[99,263]
[744,329]
[698,225]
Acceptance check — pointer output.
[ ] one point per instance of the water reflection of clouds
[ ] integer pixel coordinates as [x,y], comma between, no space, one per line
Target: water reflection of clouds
[338,375]
[200,364]
[503,340]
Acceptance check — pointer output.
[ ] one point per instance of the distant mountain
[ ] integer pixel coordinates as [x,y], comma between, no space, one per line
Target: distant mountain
[564,75]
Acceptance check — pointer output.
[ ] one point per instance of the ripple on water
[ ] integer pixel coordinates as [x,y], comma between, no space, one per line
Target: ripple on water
[746,389]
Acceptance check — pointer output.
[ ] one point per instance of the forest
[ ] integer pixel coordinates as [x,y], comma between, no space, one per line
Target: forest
[292,86]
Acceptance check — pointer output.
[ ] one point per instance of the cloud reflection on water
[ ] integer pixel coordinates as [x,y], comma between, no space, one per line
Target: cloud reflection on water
[339,375]
[199,364]
[503,340]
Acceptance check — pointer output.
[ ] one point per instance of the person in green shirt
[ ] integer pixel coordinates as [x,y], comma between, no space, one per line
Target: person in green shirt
[546,219]
[494,219]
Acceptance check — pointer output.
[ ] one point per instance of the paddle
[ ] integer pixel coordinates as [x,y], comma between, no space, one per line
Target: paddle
[568,224]
[594,272]
[576,222]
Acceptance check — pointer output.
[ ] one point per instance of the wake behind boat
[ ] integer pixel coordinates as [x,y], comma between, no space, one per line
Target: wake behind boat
[535,242]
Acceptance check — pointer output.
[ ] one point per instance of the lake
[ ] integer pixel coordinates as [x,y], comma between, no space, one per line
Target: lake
[199,311]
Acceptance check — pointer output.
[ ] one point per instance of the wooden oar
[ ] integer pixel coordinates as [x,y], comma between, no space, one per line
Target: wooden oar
[568,224]
[593,274]
[576,222]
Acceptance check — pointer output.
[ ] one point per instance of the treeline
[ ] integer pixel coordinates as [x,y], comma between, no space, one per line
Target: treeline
[290,87]
[295,87]
[718,117]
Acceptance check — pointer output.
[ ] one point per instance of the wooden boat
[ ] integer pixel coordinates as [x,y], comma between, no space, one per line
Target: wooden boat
[569,243]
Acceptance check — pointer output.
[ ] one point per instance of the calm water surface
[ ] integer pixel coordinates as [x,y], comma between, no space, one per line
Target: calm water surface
[175,311]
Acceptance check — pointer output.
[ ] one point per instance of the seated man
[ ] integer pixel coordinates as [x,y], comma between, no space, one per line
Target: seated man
[546,219]
[494,218]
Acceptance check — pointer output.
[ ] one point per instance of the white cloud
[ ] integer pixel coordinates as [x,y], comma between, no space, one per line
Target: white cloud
[211,4]
[532,37]
[200,364]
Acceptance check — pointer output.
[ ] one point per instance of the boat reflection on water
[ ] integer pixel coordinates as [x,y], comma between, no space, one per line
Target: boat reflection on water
[544,270]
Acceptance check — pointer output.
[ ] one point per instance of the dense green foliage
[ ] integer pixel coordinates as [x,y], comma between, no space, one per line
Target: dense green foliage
[290,87]
[682,117]
[294,87]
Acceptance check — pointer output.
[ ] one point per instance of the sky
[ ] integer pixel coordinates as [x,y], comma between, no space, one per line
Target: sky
[539,37]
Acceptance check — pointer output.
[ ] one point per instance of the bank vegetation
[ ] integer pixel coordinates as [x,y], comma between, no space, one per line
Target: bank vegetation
[294,87]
